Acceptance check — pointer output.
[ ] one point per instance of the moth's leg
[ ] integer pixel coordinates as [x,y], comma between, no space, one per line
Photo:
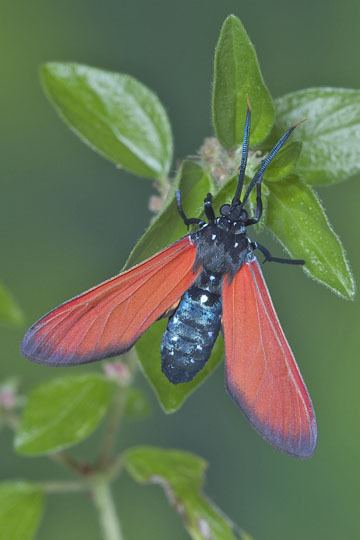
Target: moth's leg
[208,208]
[186,220]
[270,258]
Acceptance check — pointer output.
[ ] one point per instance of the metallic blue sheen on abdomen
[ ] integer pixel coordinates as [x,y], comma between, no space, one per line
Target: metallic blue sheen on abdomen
[190,335]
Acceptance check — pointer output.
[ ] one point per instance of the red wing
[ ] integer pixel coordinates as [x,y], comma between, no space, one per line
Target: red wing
[261,372]
[109,318]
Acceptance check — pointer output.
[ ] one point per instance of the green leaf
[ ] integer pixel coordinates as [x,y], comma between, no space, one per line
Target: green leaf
[181,475]
[171,396]
[114,114]
[10,313]
[194,184]
[330,135]
[294,214]
[63,412]
[298,220]
[284,163]
[237,77]
[137,405]
[21,508]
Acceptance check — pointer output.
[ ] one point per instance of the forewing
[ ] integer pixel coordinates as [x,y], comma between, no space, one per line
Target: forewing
[261,372]
[108,319]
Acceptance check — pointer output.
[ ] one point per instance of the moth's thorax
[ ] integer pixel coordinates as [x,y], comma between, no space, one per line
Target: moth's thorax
[220,249]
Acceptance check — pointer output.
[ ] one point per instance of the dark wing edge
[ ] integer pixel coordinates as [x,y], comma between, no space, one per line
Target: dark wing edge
[261,372]
[107,320]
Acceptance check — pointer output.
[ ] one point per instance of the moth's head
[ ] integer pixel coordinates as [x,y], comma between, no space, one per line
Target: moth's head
[234,213]
[233,218]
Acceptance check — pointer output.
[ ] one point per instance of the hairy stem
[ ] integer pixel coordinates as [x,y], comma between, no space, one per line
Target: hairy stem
[112,427]
[68,461]
[116,414]
[11,420]
[108,517]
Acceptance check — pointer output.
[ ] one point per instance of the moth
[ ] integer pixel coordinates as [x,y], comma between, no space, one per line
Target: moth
[207,281]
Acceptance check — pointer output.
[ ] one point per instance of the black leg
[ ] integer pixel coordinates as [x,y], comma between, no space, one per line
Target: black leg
[208,208]
[270,258]
[186,220]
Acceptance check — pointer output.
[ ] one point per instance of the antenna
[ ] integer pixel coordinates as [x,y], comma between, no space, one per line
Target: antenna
[244,156]
[266,162]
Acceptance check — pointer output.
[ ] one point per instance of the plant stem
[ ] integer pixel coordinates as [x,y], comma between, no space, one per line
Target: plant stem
[116,414]
[11,420]
[68,461]
[112,427]
[104,503]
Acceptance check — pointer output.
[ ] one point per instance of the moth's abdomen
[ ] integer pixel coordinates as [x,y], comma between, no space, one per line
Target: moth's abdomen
[190,335]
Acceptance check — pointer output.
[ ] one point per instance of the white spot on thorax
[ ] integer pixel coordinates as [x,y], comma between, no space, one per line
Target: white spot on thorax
[199,347]
[213,236]
[212,278]
[236,244]
[203,298]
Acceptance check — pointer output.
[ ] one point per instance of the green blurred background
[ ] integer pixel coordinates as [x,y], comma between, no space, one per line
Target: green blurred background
[68,219]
